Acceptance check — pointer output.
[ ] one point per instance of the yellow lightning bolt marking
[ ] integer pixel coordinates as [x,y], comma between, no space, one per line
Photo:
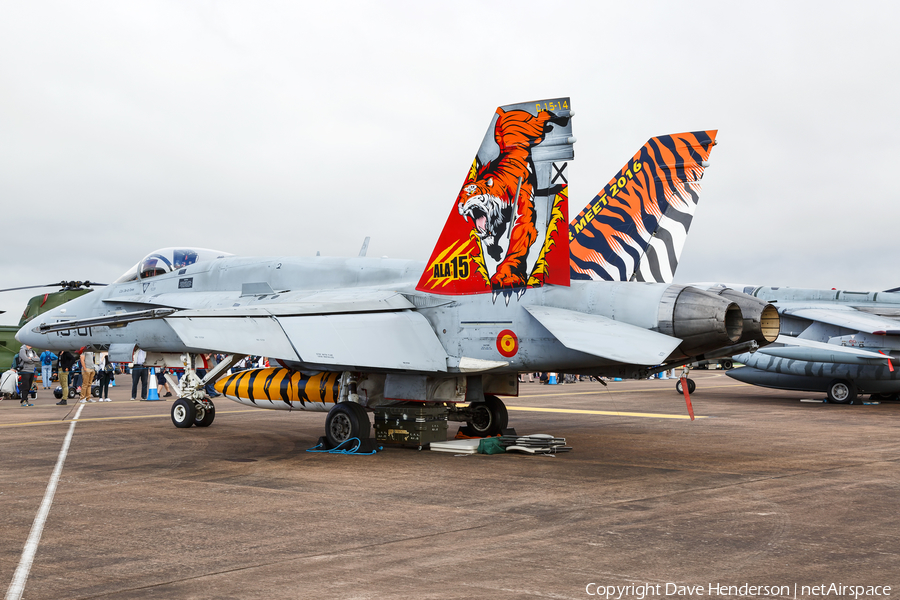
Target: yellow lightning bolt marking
[439,259]
[479,260]
[539,273]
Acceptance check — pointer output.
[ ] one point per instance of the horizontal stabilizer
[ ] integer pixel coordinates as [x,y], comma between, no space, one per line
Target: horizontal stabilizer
[847,317]
[605,337]
[811,351]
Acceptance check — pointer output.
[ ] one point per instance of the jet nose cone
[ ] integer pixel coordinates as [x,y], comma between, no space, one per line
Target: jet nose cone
[27,335]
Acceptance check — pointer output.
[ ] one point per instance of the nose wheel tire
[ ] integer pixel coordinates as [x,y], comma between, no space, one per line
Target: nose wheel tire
[347,420]
[841,391]
[690,385]
[205,416]
[183,413]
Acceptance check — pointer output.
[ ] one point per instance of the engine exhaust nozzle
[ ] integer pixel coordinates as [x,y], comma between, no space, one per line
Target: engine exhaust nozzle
[761,320]
[702,320]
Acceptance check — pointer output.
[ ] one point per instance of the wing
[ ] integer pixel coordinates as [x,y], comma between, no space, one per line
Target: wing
[605,337]
[808,350]
[405,339]
[847,317]
[340,329]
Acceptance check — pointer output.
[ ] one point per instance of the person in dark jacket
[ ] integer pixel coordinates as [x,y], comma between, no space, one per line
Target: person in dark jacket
[66,362]
[105,374]
[28,362]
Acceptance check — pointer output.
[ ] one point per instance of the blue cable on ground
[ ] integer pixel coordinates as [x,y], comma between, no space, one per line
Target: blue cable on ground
[340,450]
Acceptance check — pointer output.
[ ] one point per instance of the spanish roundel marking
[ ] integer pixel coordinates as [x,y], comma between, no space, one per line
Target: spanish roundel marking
[507,343]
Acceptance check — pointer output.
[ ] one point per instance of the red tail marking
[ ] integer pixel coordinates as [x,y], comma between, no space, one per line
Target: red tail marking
[687,397]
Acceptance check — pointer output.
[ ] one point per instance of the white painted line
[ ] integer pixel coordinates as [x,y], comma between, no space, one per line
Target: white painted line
[17,585]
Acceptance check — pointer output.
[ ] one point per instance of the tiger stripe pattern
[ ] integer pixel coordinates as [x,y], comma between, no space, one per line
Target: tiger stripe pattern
[281,388]
[635,229]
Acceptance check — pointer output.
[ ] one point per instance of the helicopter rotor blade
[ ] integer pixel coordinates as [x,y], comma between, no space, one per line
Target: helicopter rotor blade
[60,284]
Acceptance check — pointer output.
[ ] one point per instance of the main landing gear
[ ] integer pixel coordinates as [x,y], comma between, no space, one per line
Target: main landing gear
[193,406]
[487,418]
[345,421]
[348,420]
[841,391]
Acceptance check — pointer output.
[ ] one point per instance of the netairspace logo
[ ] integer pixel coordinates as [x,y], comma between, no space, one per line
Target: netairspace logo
[643,591]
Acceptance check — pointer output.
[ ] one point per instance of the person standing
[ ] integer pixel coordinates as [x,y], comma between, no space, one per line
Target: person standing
[106,374]
[28,361]
[162,384]
[209,362]
[47,359]
[66,362]
[87,374]
[139,372]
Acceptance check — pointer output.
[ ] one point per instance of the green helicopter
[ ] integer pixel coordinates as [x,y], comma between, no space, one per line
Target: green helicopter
[69,290]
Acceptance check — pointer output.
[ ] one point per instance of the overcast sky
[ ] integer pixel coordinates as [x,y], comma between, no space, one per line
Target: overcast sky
[283,128]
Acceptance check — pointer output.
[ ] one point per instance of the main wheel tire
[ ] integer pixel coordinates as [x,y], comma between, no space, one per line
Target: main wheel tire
[727,364]
[489,417]
[691,386]
[347,420]
[183,413]
[205,416]
[841,391]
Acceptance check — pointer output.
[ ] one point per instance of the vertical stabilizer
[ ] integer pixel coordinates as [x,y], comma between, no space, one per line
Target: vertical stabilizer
[507,229]
[635,229]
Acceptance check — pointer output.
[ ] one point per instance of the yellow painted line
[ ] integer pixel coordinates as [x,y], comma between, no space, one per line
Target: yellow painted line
[254,410]
[605,390]
[82,420]
[600,412]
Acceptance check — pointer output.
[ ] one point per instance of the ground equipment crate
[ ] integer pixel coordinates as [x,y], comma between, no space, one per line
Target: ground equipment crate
[411,425]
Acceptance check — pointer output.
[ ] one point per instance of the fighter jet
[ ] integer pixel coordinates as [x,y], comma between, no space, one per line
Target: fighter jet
[356,335]
[833,341]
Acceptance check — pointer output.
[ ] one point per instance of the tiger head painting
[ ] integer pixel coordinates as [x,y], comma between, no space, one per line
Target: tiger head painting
[506,229]
[498,196]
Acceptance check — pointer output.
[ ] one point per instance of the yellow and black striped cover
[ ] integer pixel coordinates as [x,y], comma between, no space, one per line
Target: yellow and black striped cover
[281,385]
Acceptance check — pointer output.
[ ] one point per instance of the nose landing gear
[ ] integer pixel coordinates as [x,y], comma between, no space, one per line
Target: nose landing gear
[194,407]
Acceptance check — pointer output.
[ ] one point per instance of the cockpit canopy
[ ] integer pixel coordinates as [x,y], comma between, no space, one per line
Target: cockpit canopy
[166,260]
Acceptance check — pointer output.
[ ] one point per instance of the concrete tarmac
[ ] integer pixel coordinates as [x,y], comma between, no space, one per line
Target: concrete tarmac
[763,490]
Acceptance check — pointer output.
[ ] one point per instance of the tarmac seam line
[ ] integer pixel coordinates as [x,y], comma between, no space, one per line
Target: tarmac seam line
[20,577]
